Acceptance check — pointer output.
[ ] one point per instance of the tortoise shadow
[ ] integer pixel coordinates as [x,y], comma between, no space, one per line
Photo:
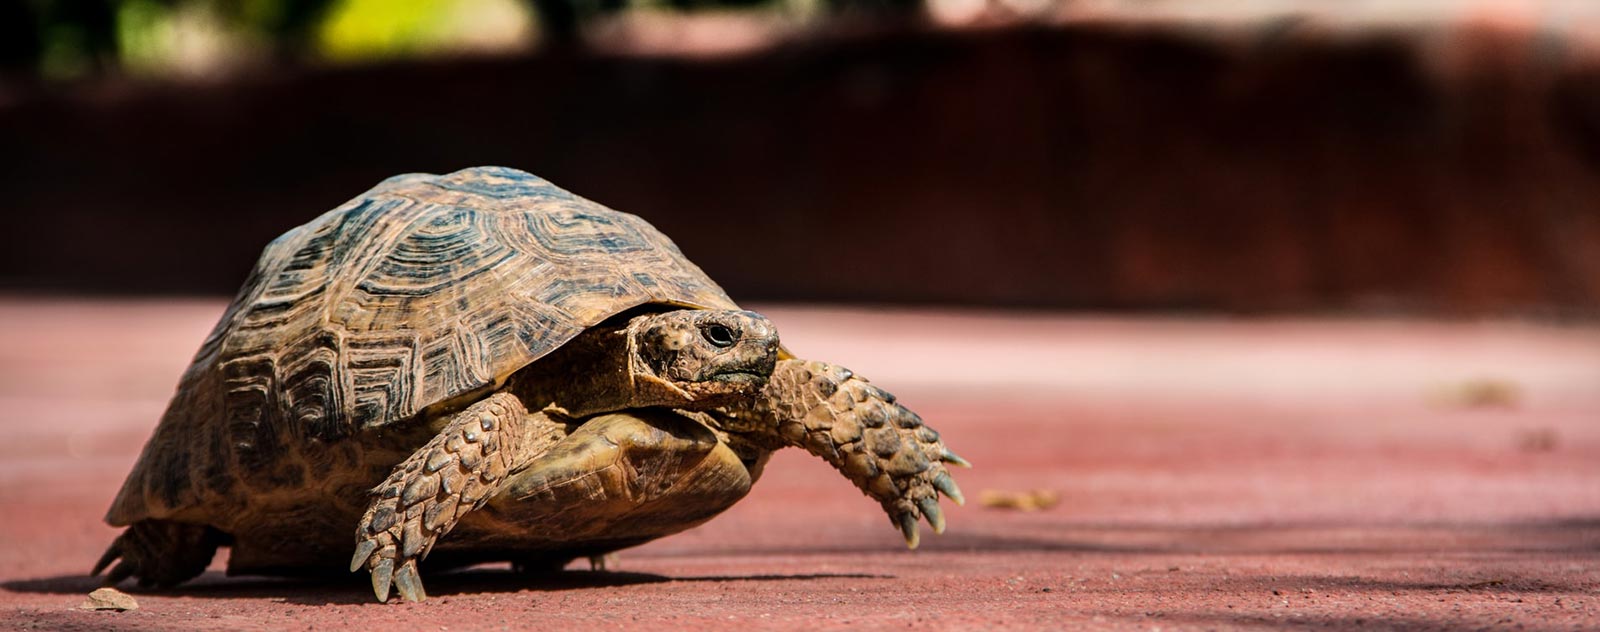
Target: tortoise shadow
[1573,536]
[350,590]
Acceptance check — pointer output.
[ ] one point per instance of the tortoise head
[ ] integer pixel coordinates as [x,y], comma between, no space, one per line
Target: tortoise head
[700,358]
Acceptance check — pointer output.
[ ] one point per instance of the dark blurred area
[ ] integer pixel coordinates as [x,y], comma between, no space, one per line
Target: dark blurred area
[1121,156]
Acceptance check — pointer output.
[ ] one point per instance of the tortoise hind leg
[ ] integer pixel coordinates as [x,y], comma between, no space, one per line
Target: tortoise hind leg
[460,468]
[159,553]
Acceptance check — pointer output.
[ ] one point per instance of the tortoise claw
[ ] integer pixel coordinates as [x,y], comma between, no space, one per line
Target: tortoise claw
[408,583]
[600,562]
[382,573]
[948,486]
[112,553]
[930,510]
[121,571]
[363,553]
[954,459]
[908,528]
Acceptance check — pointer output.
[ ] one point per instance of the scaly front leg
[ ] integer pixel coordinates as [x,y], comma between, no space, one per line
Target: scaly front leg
[881,446]
[456,472]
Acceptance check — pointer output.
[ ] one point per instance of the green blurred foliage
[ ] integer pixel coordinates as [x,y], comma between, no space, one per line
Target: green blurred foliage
[63,39]
[368,28]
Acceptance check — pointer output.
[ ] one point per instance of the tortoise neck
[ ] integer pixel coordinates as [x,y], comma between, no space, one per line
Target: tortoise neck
[591,374]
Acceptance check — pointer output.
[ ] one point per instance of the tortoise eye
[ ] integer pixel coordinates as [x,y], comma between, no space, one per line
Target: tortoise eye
[719,335]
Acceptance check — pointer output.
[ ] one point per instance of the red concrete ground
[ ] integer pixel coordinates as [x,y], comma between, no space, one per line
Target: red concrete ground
[1213,474]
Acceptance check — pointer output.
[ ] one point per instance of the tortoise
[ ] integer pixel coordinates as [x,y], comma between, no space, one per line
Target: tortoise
[481,367]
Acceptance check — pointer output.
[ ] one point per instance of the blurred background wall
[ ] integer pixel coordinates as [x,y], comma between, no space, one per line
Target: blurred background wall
[1437,158]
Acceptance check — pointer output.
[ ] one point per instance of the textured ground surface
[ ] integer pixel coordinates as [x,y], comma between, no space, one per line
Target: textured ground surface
[1212,475]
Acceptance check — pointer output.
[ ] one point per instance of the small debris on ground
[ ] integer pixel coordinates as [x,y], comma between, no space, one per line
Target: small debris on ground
[1478,393]
[1022,501]
[109,599]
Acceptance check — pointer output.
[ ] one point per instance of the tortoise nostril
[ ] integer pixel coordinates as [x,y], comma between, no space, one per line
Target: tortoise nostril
[720,335]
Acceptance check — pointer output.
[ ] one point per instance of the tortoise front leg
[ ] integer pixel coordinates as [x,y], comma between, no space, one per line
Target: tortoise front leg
[457,471]
[881,446]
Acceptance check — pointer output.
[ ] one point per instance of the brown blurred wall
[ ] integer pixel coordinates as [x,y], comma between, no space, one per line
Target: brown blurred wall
[1282,168]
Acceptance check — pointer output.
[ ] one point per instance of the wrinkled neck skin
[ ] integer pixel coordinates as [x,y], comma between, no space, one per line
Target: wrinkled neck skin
[757,417]
[591,374]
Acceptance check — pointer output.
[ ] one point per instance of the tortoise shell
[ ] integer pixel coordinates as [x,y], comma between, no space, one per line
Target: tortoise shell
[424,289]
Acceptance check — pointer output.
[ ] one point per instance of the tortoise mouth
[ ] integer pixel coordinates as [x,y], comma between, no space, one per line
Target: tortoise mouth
[740,376]
[752,371]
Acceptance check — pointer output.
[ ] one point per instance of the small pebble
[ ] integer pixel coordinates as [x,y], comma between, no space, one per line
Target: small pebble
[1034,500]
[109,599]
